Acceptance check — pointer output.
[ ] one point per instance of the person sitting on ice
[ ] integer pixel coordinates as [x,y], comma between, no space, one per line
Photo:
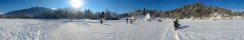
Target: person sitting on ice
[176,24]
[159,19]
[131,21]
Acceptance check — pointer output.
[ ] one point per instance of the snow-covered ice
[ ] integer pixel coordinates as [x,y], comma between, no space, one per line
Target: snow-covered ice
[64,29]
[212,30]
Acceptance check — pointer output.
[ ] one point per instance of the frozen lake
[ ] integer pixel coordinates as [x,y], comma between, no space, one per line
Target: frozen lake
[62,29]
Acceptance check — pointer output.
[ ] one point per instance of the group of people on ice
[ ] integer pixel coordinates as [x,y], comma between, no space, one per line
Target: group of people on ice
[176,22]
[130,20]
[147,18]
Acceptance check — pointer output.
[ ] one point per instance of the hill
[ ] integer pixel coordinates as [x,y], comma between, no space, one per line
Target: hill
[196,10]
[30,11]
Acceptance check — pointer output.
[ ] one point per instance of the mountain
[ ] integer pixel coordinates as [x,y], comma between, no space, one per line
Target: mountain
[196,10]
[30,11]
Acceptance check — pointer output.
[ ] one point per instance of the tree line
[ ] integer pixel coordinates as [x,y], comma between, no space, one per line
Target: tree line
[66,13]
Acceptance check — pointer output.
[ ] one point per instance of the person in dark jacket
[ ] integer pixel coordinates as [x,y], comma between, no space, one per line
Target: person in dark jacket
[176,24]
[101,21]
[127,20]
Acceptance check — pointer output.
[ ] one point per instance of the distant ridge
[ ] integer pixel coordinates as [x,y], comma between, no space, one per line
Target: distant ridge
[196,10]
[30,11]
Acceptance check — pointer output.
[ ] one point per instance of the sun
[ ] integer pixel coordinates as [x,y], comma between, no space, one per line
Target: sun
[76,3]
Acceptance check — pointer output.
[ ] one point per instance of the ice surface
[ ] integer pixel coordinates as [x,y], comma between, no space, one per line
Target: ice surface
[64,29]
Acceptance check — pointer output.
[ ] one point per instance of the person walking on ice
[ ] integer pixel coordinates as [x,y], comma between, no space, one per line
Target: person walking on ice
[127,20]
[176,24]
[101,21]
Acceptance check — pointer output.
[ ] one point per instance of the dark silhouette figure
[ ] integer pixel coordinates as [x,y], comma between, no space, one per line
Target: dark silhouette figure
[131,21]
[159,20]
[127,20]
[176,24]
[101,21]
[148,20]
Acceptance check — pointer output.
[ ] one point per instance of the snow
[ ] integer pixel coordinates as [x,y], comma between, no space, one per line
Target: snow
[64,29]
[212,30]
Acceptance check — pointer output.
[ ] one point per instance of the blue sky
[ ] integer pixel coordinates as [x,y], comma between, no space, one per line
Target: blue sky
[118,5]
